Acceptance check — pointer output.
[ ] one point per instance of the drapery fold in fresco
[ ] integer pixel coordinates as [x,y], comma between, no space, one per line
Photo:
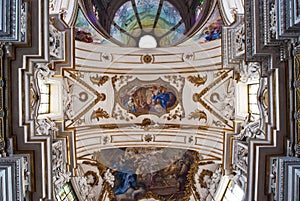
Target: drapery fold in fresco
[155,97]
[139,172]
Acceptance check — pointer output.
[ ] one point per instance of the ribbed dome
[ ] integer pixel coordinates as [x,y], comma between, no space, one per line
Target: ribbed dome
[169,22]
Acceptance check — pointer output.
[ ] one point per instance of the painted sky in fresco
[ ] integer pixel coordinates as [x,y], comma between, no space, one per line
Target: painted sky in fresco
[210,31]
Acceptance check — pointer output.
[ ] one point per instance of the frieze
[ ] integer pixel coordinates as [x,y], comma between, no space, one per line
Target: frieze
[56,42]
[23,22]
[273,178]
[59,165]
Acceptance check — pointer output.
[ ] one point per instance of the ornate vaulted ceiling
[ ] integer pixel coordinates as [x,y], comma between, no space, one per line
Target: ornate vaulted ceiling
[157,100]
[142,116]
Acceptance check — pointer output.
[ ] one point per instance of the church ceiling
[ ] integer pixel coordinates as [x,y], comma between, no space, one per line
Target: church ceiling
[162,100]
[129,106]
[127,22]
[135,123]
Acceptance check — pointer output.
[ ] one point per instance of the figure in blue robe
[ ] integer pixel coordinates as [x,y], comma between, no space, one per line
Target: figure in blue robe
[125,177]
[162,98]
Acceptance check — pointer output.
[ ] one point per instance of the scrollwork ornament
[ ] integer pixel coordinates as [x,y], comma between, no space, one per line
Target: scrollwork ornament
[176,114]
[178,81]
[99,114]
[60,175]
[23,22]
[44,72]
[45,127]
[120,114]
[55,42]
[198,114]
[2,145]
[121,80]
[197,80]
[240,40]
[99,80]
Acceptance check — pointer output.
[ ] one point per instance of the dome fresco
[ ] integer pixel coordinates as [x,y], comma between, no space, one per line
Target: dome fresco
[125,22]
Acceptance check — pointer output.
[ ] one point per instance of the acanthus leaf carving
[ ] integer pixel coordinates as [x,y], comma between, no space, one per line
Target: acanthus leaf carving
[178,81]
[59,170]
[56,43]
[197,80]
[198,114]
[100,81]
[99,113]
[120,80]
[45,127]
[44,72]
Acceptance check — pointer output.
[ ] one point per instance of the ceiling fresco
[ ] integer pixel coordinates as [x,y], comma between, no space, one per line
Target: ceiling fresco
[147,174]
[145,124]
[135,100]
[212,30]
[168,22]
[204,99]
[148,125]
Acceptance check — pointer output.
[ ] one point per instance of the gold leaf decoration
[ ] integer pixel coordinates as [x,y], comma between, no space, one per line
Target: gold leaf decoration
[99,80]
[198,114]
[148,138]
[197,80]
[100,113]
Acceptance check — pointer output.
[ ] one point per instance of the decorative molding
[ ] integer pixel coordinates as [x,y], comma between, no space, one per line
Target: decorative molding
[10,20]
[56,43]
[233,43]
[60,172]
[11,178]
[273,178]
[240,156]
[288,19]
[45,127]
[288,175]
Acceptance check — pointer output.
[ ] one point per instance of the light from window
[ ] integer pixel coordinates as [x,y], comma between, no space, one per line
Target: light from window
[252,100]
[66,193]
[147,41]
[44,99]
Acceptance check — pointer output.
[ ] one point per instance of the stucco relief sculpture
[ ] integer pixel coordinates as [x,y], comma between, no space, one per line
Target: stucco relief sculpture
[215,100]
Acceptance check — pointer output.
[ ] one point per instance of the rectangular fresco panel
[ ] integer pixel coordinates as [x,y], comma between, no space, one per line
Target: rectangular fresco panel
[161,173]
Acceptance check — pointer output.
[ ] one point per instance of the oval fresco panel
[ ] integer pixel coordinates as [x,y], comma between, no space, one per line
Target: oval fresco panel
[152,97]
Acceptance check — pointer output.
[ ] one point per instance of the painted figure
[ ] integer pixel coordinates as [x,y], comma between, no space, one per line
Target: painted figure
[145,99]
[131,104]
[161,98]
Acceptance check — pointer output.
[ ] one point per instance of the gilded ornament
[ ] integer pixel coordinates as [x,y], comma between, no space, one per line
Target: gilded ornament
[197,80]
[198,114]
[100,113]
[148,138]
[147,59]
[100,81]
